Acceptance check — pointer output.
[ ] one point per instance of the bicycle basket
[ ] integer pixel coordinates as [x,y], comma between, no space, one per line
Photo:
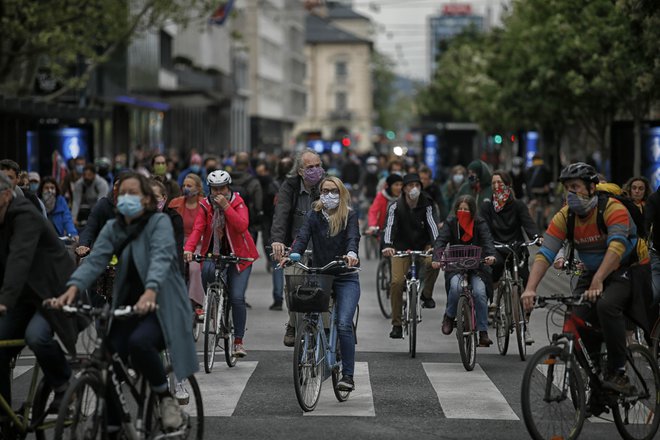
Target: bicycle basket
[308,293]
[461,257]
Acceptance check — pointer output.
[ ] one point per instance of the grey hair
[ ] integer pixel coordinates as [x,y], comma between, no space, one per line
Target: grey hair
[6,184]
[298,163]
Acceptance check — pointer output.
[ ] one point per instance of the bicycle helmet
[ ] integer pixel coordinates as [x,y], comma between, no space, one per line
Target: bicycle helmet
[218,178]
[579,170]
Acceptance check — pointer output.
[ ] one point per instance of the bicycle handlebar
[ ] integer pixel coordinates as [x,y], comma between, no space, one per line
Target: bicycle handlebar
[401,254]
[216,258]
[572,300]
[94,312]
[516,244]
[339,264]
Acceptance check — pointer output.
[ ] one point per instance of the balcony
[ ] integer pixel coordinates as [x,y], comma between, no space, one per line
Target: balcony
[341,115]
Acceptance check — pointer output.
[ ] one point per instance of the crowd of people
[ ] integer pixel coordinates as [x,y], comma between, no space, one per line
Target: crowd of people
[156,216]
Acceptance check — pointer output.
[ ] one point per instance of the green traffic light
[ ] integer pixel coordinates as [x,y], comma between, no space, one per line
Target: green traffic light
[390,135]
[497,138]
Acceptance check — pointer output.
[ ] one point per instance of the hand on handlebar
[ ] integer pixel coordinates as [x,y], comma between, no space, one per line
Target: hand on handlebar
[559,263]
[284,261]
[351,261]
[66,299]
[278,250]
[82,251]
[489,261]
[146,303]
[594,291]
[527,299]
[187,256]
[388,252]
[436,265]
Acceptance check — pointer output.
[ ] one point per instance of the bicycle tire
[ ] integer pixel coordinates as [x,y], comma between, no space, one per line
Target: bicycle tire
[383,281]
[412,325]
[503,318]
[197,329]
[193,414]
[210,329]
[545,369]
[307,369]
[227,326]
[465,334]
[341,396]
[86,389]
[655,340]
[645,370]
[519,322]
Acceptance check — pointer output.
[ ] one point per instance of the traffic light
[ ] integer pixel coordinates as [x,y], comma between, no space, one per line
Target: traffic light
[512,138]
[497,139]
[346,141]
[390,135]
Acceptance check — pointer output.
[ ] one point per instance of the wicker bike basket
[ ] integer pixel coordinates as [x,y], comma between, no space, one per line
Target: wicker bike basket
[460,257]
[308,293]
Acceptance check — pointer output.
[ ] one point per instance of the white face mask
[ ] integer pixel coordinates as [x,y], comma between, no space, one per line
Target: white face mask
[330,201]
[457,179]
[414,193]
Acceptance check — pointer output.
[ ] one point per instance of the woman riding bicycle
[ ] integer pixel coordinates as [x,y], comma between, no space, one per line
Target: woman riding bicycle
[148,278]
[507,218]
[466,228]
[333,228]
[222,226]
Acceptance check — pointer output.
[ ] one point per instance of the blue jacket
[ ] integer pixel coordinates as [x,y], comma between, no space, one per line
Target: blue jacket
[326,248]
[61,218]
[155,256]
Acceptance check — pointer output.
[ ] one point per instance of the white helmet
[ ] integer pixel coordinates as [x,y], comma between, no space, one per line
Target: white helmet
[218,178]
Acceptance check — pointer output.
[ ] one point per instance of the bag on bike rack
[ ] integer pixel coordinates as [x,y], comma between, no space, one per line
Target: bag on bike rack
[308,294]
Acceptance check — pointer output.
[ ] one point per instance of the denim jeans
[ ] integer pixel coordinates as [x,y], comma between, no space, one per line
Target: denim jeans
[479,295]
[237,284]
[278,282]
[25,321]
[347,290]
[655,275]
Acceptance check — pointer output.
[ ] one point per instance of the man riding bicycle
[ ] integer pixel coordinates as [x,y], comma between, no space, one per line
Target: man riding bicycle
[607,255]
[410,225]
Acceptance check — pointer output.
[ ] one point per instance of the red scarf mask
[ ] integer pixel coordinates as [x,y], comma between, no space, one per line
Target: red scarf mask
[501,195]
[466,222]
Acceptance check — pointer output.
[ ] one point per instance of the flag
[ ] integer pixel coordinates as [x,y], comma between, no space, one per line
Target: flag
[222,12]
[59,170]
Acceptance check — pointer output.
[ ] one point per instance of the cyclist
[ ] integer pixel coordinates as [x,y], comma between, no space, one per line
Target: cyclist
[30,246]
[148,275]
[378,209]
[507,218]
[222,227]
[162,196]
[333,228]
[607,257]
[102,212]
[451,187]
[638,189]
[467,228]
[87,191]
[478,183]
[56,207]
[410,225]
[538,188]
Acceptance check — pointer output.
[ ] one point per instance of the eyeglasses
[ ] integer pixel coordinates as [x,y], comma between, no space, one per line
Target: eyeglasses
[326,191]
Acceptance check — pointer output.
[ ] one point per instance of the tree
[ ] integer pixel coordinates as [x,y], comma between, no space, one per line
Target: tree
[68,39]
[382,70]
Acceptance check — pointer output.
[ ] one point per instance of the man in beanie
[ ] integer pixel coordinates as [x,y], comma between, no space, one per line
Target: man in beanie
[378,210]
[478,183]
[410,225]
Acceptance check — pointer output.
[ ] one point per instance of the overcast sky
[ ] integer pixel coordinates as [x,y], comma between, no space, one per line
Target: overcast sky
[402,28]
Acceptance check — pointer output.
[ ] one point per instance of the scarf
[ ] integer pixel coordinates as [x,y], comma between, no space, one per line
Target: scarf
[466,222]
[500,197]
[218,228]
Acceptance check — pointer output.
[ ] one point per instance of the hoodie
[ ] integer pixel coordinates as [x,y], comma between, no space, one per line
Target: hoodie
[481,190]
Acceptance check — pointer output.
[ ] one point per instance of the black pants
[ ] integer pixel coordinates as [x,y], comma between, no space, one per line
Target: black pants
[608,312]
[498,266]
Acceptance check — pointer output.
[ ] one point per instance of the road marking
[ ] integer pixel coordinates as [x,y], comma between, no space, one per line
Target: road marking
[20,370]
[467,394]
[359,404]
[222,389]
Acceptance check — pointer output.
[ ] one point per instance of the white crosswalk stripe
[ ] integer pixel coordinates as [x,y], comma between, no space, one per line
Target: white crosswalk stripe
[359,404]
[222,389]
[20,370]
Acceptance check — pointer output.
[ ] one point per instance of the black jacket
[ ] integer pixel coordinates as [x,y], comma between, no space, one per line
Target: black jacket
[177,224]
[507,225]
[103,211]
[410,229]
[652,218]
[34,265]
[285,228]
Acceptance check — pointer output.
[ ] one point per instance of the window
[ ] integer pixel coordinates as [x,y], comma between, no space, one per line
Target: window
[341,71]
[340,101]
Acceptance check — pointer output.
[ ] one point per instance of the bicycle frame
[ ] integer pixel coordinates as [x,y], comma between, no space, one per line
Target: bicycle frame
[323,342]
[466,291]
[411,280]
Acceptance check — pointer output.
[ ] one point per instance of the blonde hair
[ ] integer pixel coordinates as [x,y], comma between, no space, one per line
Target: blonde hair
[339,218]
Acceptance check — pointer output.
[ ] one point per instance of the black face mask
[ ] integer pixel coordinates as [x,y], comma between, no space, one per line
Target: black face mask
[472,179]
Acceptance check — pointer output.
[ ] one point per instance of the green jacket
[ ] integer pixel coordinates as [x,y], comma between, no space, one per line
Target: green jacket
[156,259]
[485,192]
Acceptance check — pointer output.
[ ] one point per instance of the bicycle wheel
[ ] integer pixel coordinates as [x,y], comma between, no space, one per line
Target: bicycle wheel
[307,366]
[519,322]
[193,412]
[637,416]
[503,317]
[210,328]
[82,412]
[412,325]
[548,412]
[466,335]
[341,396]
[383,280]
[227,326]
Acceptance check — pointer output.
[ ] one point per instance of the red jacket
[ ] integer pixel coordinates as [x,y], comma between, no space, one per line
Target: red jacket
[378,211]
[236,230]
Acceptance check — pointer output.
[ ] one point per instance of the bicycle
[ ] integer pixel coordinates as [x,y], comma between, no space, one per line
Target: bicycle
[84,407]
[198,321]
[218,321]
[372,243]
[462,259]
[383,275]
[509,313]
[316,354]
[565,379]
[412,308]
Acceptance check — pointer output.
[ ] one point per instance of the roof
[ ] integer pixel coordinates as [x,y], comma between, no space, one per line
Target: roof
[338,10]
[318,30]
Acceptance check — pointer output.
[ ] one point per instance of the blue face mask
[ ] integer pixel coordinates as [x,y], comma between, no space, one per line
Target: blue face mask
[129,205]
[195,168]
[34,187]
[80,169]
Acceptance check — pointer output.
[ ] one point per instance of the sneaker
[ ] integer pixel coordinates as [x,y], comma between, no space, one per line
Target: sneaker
[181,395]
[397,332]
[619,383]
[346,383]
[447,325]
[289,336]
[484,340]
[247,305]
[428,303]
[239,351]
[277,305]
[170,413]
[529,339]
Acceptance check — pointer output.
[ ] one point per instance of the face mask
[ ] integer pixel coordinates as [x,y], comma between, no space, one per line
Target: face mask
[580,205]
[34,187]
[457,179]
[187,192]
[49,200]
[160,169]
[161,205]
[80,169]
[398,173]
[472,178]
[330,201]
[414,193]
[195,168]
[372,169]
[312,176]
[129,205]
